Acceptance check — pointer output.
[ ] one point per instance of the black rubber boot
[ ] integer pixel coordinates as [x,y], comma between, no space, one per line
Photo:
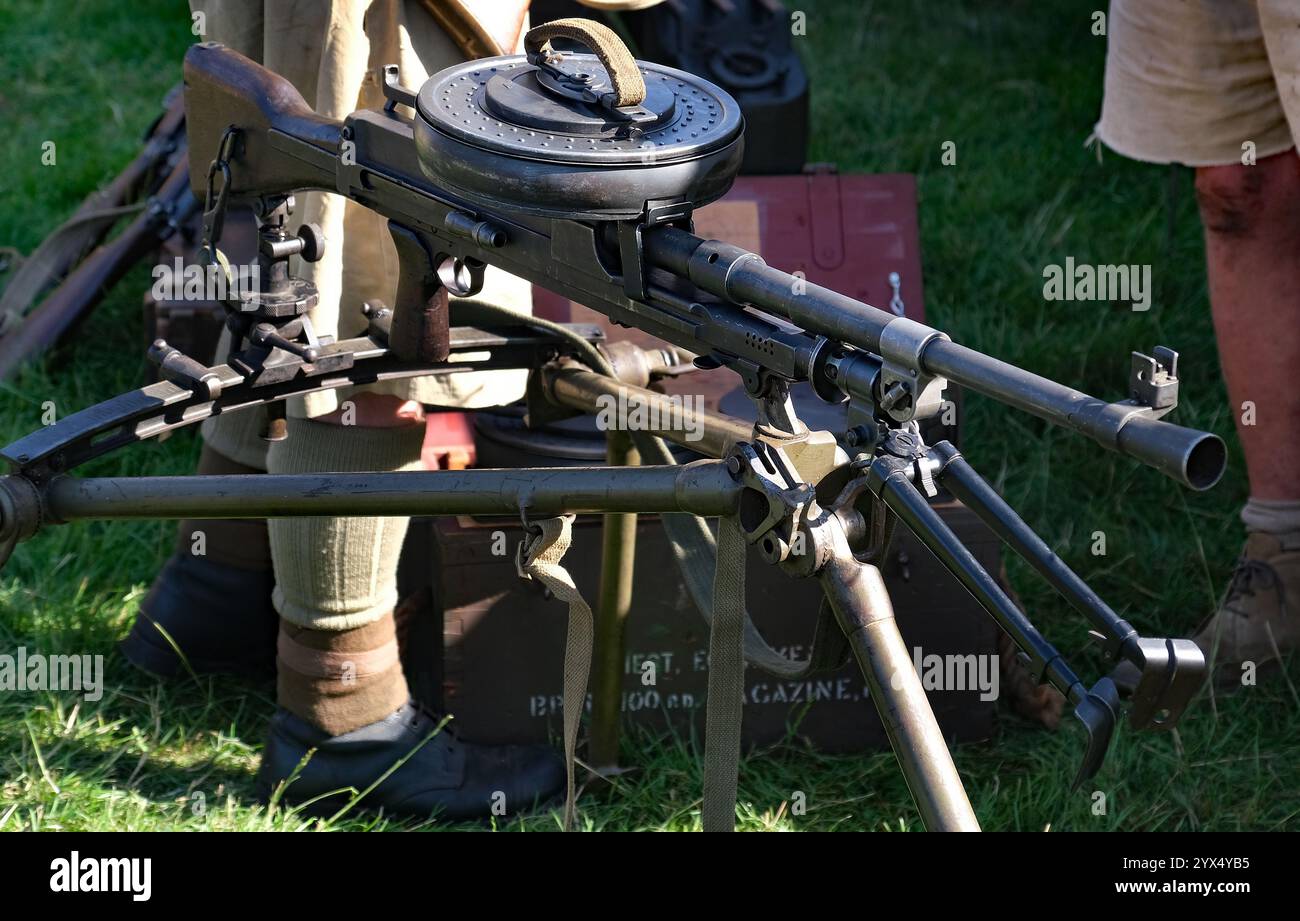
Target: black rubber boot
[220,616]
[445,777]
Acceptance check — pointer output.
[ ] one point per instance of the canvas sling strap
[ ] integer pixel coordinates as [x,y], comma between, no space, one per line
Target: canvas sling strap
[724,706]
[733,641]
[542,560]
[50,262]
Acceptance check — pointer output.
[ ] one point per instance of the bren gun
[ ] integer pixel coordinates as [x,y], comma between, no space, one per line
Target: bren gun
[579,173]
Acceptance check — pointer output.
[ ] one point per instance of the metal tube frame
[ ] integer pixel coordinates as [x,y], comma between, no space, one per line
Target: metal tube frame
[858,596]
[700,488]
[709,488]
[42,492]
[613,605]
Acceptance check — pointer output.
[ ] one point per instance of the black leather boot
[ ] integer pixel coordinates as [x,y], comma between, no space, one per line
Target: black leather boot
[216,605]
[446,777]
[219,616]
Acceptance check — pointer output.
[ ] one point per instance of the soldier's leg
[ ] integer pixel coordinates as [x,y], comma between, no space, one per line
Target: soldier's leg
[209,610]
[1216,86]
[1252,236]
[340,685]
[337,585]
[1251,215]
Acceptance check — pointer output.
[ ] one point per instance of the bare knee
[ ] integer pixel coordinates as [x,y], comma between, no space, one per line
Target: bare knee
[1242,201]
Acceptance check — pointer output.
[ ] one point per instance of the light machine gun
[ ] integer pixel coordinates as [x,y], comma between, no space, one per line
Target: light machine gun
[580,173]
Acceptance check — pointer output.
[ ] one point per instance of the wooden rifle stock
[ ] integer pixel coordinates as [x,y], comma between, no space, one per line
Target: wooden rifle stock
[86,286]
[223,89]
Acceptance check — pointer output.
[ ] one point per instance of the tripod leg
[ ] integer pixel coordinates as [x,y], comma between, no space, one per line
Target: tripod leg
[618,549]
[960,478]
[912,509]
[861,602]
[1098,708]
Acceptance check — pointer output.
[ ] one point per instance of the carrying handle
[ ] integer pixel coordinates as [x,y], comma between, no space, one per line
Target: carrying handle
[629,87]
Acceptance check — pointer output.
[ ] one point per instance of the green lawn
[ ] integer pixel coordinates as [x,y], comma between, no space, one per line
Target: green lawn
[1016,86]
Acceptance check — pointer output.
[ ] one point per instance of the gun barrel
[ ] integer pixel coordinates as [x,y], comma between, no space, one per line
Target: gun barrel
[1194,458]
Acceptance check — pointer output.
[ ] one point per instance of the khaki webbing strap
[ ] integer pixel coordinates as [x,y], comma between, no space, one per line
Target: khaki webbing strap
[694,550]
[724,708]
[54,259]
[624,76]
[542,562]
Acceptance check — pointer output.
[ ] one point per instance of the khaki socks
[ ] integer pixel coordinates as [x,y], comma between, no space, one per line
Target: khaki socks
[336,582]
[1278,517]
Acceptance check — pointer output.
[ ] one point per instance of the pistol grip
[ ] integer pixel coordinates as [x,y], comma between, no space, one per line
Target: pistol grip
[420,329]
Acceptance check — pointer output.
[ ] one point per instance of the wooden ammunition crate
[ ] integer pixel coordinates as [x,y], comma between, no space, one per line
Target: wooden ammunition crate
[500,666]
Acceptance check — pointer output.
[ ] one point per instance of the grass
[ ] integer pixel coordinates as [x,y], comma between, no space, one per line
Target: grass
[1016,86]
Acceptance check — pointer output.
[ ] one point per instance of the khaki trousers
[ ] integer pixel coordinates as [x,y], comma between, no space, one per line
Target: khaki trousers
[332,52]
